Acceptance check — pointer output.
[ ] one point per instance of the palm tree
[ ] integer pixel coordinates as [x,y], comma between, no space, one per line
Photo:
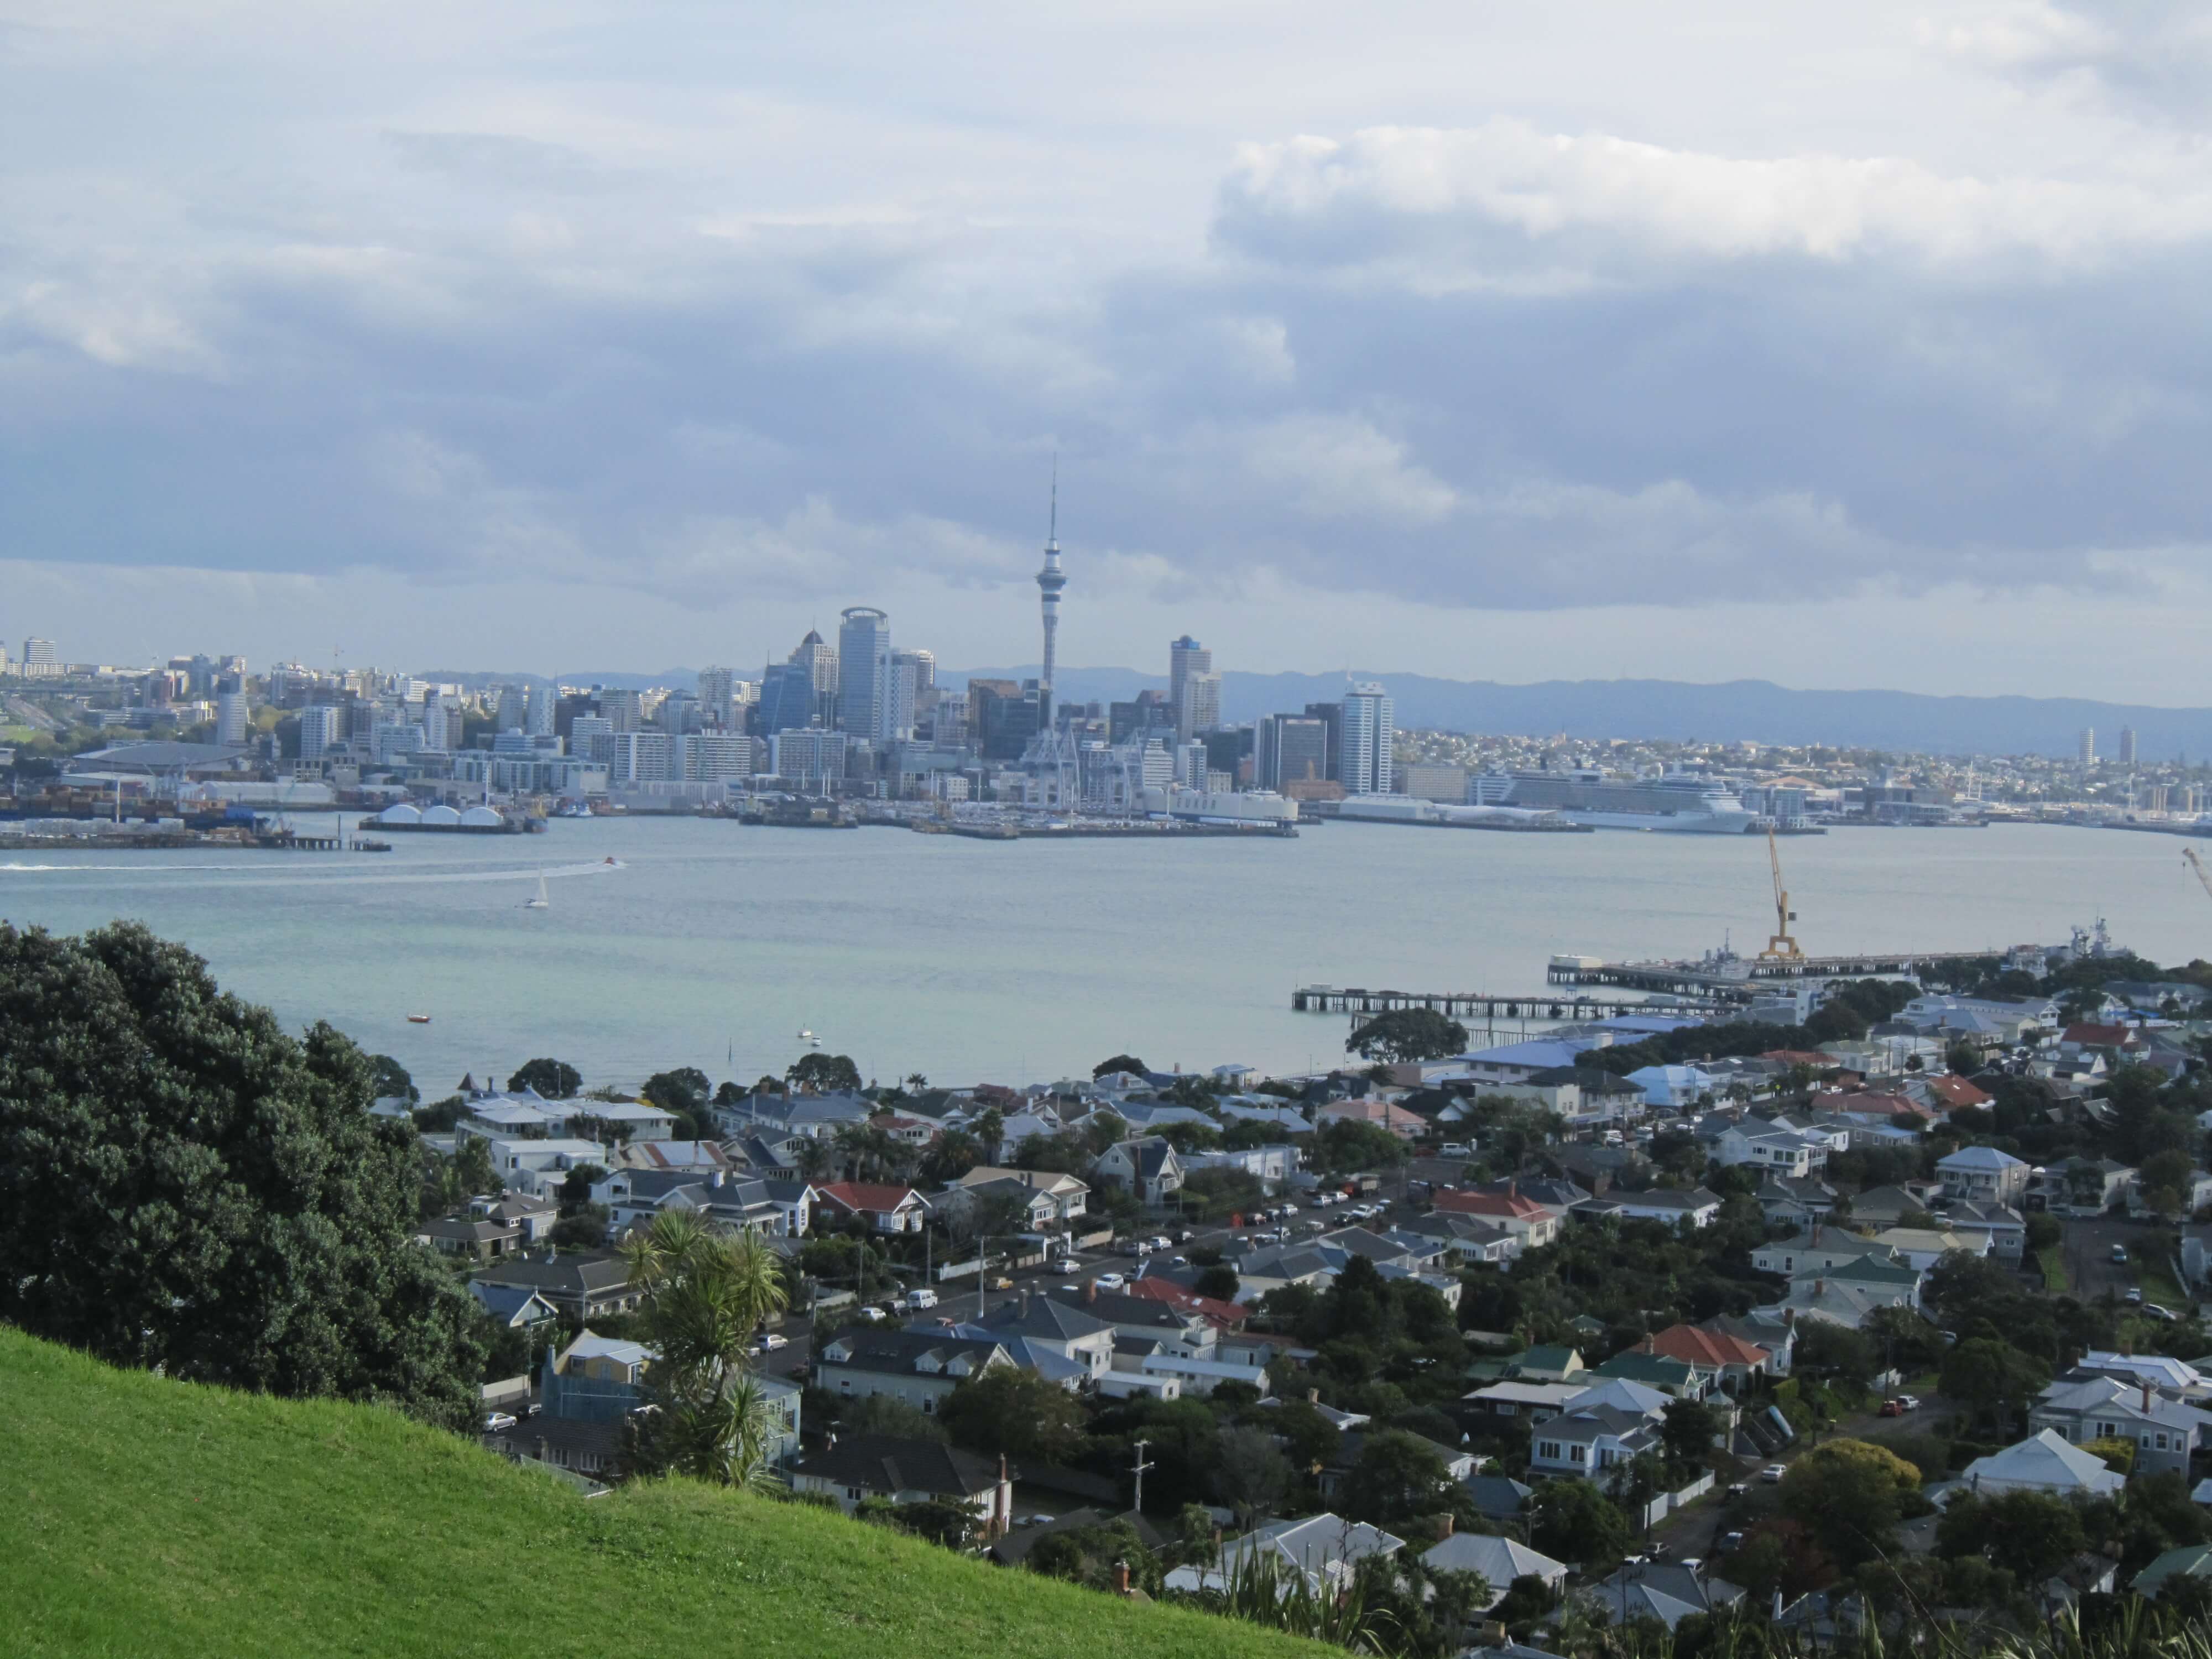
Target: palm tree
[813,1158]
[990,1128]
[707,1292]
[915,1083]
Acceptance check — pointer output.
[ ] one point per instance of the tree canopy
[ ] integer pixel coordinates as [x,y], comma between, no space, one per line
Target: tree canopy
[823,1073]
[555,1079]
[1128,1063]
[184,1185]
[1409,1034]
[1850,1495]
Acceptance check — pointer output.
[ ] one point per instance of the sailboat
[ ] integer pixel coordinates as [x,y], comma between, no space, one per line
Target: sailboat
[541,903]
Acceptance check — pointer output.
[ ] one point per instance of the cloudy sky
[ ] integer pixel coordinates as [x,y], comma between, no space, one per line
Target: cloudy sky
[1843,345]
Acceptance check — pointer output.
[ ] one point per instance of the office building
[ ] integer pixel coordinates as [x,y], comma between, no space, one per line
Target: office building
[1148,714]
[592,738]
[715,696]
[322,729]
[1190,768]
[718,756]
[40,662]
[624,710]
[788,700]
[510,709]
[644,757]
[1002,717]
[1448,785]
[2127,745]
[864,672]
[537,712]
[902,693]
[1369,730]
[1187,659]
[2086,746]
[1289,748]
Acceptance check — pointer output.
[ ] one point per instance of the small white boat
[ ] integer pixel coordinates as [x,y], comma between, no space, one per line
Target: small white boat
[541,903]
[418,1019]
[804,1035]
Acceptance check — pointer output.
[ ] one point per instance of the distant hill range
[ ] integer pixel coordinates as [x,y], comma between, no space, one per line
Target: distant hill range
[1753,710]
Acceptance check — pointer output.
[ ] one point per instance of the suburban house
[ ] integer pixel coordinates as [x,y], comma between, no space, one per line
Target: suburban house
[775,1209]
[1831,1300]
[1671,1088]
[1549,1362]
[516,1309]
[1518,1062]
[916,1368]
[1085,1341]
[1923,1248]
[1984,1174]
[2006,1229]
[1776,1146]
[1535,1400]
[1017,1205]
[1468,1237]
[1148,1170]
[1325,1550]
[1184,1333]
[1590,1440]
[1795,1202]
[1664,1590]
[1698,1207]
[584,1287]
[1730,1358]
[2043,1463]
[541,1166]
[2164,1431]
[476,1239]
[1500,1560]
[1382,1114]
[1523,1216]
[1071,1199]
[886,1209]
[1817,1247]
[2176,1565]
[1776,1333]
[853,1467]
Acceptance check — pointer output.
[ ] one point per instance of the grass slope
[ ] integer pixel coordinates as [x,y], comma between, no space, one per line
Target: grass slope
[141,1516]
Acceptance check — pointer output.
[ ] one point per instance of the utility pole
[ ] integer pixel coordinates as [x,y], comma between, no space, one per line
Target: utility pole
[1138,1471]
[982,1275]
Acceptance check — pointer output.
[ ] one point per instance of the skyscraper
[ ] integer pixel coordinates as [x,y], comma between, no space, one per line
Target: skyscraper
[864,672]
[2085,747]
[1187,659]
[1049,581]
[714,689]
[538,717]
[1370,731]
[1289,748]
[2127,745]
[788,700]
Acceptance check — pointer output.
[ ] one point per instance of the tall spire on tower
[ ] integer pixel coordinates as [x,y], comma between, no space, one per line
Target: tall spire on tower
[1050,581]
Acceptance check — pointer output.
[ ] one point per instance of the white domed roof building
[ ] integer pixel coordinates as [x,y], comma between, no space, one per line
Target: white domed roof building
[400,814]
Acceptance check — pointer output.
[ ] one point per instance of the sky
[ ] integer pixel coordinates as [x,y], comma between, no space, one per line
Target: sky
[1841,346]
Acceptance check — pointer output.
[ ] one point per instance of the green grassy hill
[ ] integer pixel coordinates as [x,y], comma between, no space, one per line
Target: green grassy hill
[140,1517]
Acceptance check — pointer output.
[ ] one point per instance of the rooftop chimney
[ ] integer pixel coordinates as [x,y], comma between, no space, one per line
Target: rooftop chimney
[1313,1396]
[1448,1521]
[2146,1389]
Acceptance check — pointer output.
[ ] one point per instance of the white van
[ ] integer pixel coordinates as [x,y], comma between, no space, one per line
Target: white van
[917,1300]
[1455,1149]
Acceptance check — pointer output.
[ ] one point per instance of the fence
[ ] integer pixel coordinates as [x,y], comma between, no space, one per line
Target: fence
[1668,1502]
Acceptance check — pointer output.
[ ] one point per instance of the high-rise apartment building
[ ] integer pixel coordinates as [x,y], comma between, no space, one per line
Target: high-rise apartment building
[591,739]
[2086,746]
[2127,745]
[230,711]
[537,712]
[715,689]
[1370,733]
[1187,658]
[1200,709]
[913,672]
[40,662]
[864,672]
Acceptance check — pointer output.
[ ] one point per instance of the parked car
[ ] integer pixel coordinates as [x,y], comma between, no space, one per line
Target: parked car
[1910,1401]
[1110,1282]
[2120,1252]
[1183,1236]
[1738,1490]
[1893,1409]
[1455,1148]
[1772,1473]
[1161,1242]
[874,1315]
[1731,1542]
[495,1421]
[2155,1311]
[2134,1295]
[1064,1265]
[768,1342]
[1000,1282]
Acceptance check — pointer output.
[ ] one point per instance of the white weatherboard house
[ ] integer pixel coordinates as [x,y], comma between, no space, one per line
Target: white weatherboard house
[2043,1463]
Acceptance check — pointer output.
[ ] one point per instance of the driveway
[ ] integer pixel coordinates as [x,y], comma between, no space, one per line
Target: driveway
[2088,1249]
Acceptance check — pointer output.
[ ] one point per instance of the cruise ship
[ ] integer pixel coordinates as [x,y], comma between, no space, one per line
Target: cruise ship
[1676,802]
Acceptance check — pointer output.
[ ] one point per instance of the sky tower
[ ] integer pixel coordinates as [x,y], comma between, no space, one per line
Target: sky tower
[1050,581]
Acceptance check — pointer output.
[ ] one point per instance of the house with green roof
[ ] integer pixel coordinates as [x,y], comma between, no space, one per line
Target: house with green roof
[1897,1282]
[2189,1561]
[1677,1377]
[1551,1363]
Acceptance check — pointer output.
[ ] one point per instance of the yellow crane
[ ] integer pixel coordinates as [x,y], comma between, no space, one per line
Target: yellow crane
[1781,947]
[2197,865]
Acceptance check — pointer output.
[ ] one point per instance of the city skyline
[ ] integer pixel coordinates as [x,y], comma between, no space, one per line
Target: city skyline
[1446,342]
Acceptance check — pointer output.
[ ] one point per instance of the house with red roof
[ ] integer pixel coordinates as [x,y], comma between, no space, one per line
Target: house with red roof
[1381,1113]
[886,1209]
[1734,1360]
[1949,1094]
[1224,1316]
[1510,1208]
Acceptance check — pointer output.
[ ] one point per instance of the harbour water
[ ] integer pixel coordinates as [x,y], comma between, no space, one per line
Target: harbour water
[711,945]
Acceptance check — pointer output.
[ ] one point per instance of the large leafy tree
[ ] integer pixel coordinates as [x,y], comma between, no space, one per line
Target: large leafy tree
[823,1073]
[1850,1495]
[1397,1477]
[1406,1034]
[555,1079]
[1008,1410]
[184,1185]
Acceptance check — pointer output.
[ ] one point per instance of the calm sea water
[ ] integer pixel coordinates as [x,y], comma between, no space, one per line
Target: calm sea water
[715,944]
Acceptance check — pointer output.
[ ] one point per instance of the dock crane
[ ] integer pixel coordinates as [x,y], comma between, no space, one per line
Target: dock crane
[2197,865]
[1781,947]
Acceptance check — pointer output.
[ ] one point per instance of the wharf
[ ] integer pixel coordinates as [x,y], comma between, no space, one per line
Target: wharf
[1740,979]
[1484,1004]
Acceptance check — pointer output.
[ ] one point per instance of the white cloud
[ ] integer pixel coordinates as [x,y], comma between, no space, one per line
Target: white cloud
[1506,185]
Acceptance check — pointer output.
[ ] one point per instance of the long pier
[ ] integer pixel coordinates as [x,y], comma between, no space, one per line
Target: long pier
[1742,978]
[1484,1004]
